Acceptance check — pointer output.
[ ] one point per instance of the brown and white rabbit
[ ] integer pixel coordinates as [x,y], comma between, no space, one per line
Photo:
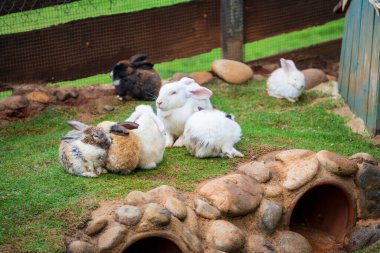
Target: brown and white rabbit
[136,78]
[82,151]
[124,153]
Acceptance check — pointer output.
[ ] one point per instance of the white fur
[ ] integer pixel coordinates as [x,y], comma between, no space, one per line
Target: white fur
[176,102]
[209,133]
[286,82]
[151,133]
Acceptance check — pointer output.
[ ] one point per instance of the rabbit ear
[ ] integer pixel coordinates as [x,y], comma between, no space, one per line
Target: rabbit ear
[138,58]
[134,116]
[77,125]
[143,65]
[187,80]
[159,123]
[119,130]
[285,65]
[199,92]
[291,65]
[129,125]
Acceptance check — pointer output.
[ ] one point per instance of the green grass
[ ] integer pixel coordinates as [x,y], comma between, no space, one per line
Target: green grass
[55,15]
[40,203]
[254,50]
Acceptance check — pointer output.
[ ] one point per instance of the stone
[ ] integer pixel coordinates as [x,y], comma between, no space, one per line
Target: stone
[128,215]
[269,157]
[111,238]
[213,251]
[313,77]
[205,210]
[331,78]
[202,77]
[272,191]
[164,191]
[80,247]
[176,207]
[233,195]
[38,96]
[300,173]
[337,164]
[368,180]
[224,236]
[363,236]
[232,71]
[360,158]
[178,76]
[16,102]
[109,108]
[291,242]
[156,215]
[191,240]
[136,198]
[257,170]
[191,221]
[259,244]
[63,94]
[96,226]
[270,214]
[293,154]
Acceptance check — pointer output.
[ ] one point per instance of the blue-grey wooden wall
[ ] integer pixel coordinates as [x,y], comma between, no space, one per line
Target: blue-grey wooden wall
[360,67]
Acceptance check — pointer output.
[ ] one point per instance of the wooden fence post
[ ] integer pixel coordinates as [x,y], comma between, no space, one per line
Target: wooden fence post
[232,29]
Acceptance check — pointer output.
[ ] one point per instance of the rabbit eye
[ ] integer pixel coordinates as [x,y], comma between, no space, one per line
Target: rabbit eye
[173,92]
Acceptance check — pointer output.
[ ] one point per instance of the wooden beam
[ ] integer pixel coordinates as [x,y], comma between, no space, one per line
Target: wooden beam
[232,29]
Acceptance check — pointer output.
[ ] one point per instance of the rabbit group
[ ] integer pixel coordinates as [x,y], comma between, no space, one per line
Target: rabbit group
[136,78]
[89,151]
[185,117]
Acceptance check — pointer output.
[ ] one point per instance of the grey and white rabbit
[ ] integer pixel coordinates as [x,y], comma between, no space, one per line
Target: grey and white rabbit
[136,78]
[82,151]
[212,133]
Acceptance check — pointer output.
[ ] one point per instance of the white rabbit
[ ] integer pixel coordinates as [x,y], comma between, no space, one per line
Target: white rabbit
[286,82]
[212,133]
[83,151]
[151,133]
[176,102]
[124,152]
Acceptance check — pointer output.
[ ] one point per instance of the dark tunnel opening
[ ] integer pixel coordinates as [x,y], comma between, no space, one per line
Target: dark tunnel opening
[153,244]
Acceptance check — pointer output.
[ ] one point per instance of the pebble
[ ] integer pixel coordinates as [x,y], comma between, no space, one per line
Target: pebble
[224,236]
[232,71]
[205,210]
[176,207]
[128,215]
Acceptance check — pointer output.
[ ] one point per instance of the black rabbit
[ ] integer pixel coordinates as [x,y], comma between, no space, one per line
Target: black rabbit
[136,78]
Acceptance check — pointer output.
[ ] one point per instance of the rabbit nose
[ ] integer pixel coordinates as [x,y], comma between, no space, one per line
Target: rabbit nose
[158,103]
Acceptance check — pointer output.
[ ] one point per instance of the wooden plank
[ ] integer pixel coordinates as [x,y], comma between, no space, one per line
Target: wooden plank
[344,58]
[91,46]
[356,7]
[344,78]
[364,60]
[232,29]
[373,124]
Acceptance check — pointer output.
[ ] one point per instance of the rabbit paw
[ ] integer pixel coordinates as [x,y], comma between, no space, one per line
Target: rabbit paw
[169,140]
[149,166]
[232,154]
[89,174]
[179,142]
[292,99]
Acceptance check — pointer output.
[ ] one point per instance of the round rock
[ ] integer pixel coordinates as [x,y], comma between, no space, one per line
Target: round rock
[178,76]
[300,172]
[164,191]
[337,164]
[96,226]
[232,71]
[225,236]
[293,154]
[38,96]
[257,170]
[270,214]
[259,244]
[368,180]
[363,158]
[291,242]
[233,195]
[136,198]
[111,238]
[361,237]
[156,215]
[272,191]
[314,77]
[205,210]
[16,102]
[80,247]
[191,221]
[202,77]
[128,215]
[176,207]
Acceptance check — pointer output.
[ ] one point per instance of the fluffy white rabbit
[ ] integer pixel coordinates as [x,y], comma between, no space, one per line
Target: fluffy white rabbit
[151,133]
[286,82]
[82,151]
[212,133]
[176,102]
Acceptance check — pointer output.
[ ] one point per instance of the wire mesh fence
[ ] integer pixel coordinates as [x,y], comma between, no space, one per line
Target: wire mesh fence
[179,35]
